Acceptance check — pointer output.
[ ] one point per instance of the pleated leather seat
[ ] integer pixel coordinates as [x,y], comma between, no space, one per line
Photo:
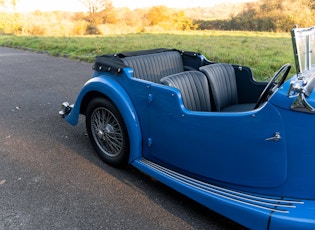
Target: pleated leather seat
[194,89]
[222,80]
[153,67]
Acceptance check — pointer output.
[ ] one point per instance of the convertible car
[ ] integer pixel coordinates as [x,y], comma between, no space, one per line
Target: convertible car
[210,131]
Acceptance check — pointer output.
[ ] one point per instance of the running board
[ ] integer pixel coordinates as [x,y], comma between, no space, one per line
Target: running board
[272,204]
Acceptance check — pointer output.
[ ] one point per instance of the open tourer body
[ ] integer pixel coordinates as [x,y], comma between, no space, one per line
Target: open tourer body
[210,131]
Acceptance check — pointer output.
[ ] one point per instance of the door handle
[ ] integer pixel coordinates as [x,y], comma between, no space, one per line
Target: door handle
[276,137]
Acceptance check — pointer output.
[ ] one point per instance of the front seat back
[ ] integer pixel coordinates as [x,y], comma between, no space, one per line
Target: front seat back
[222,81]
[194,89]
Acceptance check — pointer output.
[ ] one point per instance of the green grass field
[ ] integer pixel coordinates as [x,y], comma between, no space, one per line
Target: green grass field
[265,53]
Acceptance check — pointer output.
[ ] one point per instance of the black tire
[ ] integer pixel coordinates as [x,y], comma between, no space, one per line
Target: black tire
[107,132]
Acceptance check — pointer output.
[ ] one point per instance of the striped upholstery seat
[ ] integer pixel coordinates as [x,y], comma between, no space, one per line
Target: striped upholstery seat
[153,67]
[222,80]
[194,89]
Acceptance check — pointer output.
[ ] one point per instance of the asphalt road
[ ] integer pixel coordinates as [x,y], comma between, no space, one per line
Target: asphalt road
[51,178]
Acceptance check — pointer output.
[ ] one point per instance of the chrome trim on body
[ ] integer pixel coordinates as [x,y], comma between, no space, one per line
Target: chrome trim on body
[302,88]
[273,204]
[303,44]
[276,137]
[300,104]
[65,109]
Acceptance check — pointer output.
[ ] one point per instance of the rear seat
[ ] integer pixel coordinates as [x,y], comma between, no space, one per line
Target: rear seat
[153,67]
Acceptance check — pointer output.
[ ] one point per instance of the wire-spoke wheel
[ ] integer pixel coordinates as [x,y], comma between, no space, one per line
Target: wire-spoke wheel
[107,132]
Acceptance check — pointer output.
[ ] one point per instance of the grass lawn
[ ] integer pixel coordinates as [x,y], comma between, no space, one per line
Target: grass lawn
[264,52]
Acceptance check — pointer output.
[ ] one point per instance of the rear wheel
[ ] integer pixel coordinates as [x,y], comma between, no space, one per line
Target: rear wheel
[107,132]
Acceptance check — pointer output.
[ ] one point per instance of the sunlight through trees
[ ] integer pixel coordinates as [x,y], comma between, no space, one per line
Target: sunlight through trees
[101,17]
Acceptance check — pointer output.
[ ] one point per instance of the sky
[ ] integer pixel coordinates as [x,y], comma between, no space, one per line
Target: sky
[75,5]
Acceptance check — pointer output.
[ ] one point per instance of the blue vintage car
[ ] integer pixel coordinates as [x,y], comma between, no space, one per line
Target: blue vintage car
[210,131]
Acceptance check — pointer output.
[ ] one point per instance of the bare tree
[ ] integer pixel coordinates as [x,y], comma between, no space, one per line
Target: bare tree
[8,3]
[95,5]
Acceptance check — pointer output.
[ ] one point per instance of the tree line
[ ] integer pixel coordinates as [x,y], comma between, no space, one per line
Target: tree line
[101,17]
[154,18]
[267,15]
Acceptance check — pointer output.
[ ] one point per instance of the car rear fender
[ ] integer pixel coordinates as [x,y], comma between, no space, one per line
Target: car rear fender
[109,88]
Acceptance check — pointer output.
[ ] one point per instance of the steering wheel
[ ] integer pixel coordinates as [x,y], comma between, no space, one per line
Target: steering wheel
[273,85]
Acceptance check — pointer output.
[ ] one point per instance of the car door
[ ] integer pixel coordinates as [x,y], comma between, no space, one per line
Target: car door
[245,148]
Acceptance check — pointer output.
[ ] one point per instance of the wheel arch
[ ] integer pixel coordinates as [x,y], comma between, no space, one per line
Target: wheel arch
[88,97]
[110,89]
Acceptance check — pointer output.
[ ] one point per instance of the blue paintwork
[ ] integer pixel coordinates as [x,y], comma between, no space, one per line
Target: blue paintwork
[227,150]
[114,91]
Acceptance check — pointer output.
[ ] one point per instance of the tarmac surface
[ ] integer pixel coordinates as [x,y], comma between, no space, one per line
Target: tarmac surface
[50,176]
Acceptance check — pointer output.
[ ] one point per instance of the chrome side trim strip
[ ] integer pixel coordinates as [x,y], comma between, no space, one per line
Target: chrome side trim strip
[280,205]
